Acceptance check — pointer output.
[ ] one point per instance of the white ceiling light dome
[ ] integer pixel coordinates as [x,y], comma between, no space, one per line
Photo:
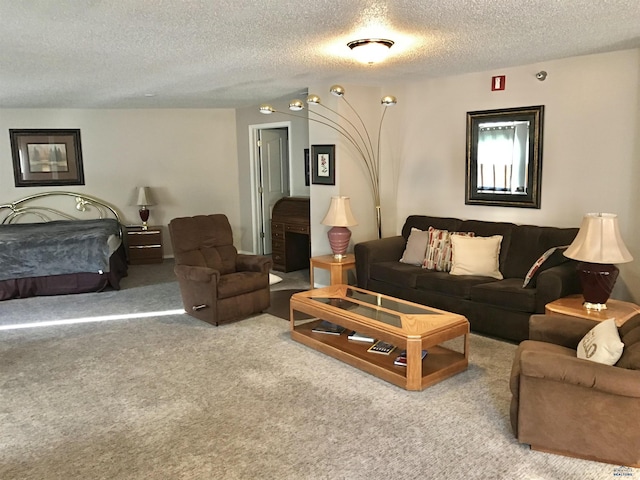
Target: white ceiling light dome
[370,50]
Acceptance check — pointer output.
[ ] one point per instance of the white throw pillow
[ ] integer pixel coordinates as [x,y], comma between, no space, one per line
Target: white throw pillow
[438,256]
[602,344]
[416,247]
[476,256]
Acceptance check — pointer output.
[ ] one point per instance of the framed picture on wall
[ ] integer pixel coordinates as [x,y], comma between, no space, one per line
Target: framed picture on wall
[45,157]
[323,164]
[307,167]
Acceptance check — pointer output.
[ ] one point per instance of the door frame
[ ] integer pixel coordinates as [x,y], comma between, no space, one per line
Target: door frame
[254,158]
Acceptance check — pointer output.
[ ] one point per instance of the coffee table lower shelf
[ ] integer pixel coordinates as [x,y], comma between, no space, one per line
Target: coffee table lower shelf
[440,362]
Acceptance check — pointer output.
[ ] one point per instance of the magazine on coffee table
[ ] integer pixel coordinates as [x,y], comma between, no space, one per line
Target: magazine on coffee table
[328,327]
[402,358]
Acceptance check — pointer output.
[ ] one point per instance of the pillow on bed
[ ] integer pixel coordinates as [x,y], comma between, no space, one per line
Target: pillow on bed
[416,247]
[476,256]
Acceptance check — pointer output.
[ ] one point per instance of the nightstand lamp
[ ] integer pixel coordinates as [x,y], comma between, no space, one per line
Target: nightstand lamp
[339,217]
[144,200]
[597,247]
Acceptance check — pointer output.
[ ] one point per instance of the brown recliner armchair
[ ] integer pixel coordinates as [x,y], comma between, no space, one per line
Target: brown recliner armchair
[218,285]
[570,406]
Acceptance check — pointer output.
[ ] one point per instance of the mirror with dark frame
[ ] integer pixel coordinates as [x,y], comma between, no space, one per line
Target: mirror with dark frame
[504,157]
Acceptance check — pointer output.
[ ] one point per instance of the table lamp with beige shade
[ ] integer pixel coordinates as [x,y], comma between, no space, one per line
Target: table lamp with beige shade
[339,217]
[598,246]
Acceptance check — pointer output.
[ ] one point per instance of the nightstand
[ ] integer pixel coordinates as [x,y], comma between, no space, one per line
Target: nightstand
[571,306]
[144,246]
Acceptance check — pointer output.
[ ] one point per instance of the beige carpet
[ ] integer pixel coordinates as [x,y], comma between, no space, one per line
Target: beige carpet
[169,397]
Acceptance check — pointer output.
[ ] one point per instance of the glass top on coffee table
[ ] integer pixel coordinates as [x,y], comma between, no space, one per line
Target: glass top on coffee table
[370,301]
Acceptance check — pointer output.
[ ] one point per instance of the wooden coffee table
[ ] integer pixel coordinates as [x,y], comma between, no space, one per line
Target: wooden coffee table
[409,326]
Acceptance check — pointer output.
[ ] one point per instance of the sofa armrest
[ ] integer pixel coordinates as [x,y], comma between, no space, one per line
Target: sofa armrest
[253,263]
[556,282]
[558,329]
[582,373]
[381,250]
[196,274]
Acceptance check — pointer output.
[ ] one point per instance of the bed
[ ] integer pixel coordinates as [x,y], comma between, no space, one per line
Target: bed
[55,243]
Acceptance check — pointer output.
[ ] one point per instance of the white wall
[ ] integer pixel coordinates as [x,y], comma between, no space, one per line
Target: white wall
[352,179]
[299,140]
[187,157]
[590,154]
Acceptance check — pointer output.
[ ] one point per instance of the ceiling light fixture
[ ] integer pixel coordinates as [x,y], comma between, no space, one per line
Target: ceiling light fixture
[370,50]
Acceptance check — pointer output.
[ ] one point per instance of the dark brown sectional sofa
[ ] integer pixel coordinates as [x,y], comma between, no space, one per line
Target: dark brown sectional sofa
[499,308]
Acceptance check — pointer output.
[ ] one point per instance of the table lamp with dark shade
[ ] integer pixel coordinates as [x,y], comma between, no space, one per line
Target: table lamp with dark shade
[598,246]
[339,217]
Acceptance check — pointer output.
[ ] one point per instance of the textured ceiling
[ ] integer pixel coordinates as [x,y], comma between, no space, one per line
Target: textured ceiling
[233,53]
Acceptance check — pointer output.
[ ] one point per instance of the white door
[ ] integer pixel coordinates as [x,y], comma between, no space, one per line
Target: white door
[273,177]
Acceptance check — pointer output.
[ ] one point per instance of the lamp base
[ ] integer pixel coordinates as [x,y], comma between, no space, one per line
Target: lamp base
[144,216]
[595,306]
[339,241]
[597,283]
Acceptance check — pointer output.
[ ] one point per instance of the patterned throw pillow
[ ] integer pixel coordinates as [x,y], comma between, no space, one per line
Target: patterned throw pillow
[535,268]
[439,253]
[602,344]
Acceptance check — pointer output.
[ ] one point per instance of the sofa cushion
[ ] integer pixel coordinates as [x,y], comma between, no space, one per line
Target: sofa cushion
[415,251]
[528,243]
[453,285]
[630,358]
[395,273]
[551,258]
[602,343]
[476,256]
[235,284]
[630,336]
[538,347]
[222,258]
[507,293]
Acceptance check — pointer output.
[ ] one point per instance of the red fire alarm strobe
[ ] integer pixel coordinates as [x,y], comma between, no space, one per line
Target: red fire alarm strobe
[497,83]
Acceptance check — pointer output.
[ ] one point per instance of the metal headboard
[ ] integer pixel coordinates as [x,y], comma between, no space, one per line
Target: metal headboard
[19,209]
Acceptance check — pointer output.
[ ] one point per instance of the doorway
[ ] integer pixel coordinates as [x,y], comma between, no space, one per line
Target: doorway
[270,147]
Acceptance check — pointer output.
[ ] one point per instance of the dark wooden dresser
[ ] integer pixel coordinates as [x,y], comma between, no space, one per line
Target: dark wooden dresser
[290,234]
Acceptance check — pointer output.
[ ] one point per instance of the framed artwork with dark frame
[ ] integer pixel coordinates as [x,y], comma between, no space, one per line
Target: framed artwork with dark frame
[46,157]
[307,167]
[323,164]
[504,157]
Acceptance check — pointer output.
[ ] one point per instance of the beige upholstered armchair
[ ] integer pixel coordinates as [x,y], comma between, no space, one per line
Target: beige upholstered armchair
[218,285]
[575,407]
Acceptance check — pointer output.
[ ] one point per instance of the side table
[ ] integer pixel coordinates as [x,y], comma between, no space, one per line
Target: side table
[571,306]
[144,246]
[337,268]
